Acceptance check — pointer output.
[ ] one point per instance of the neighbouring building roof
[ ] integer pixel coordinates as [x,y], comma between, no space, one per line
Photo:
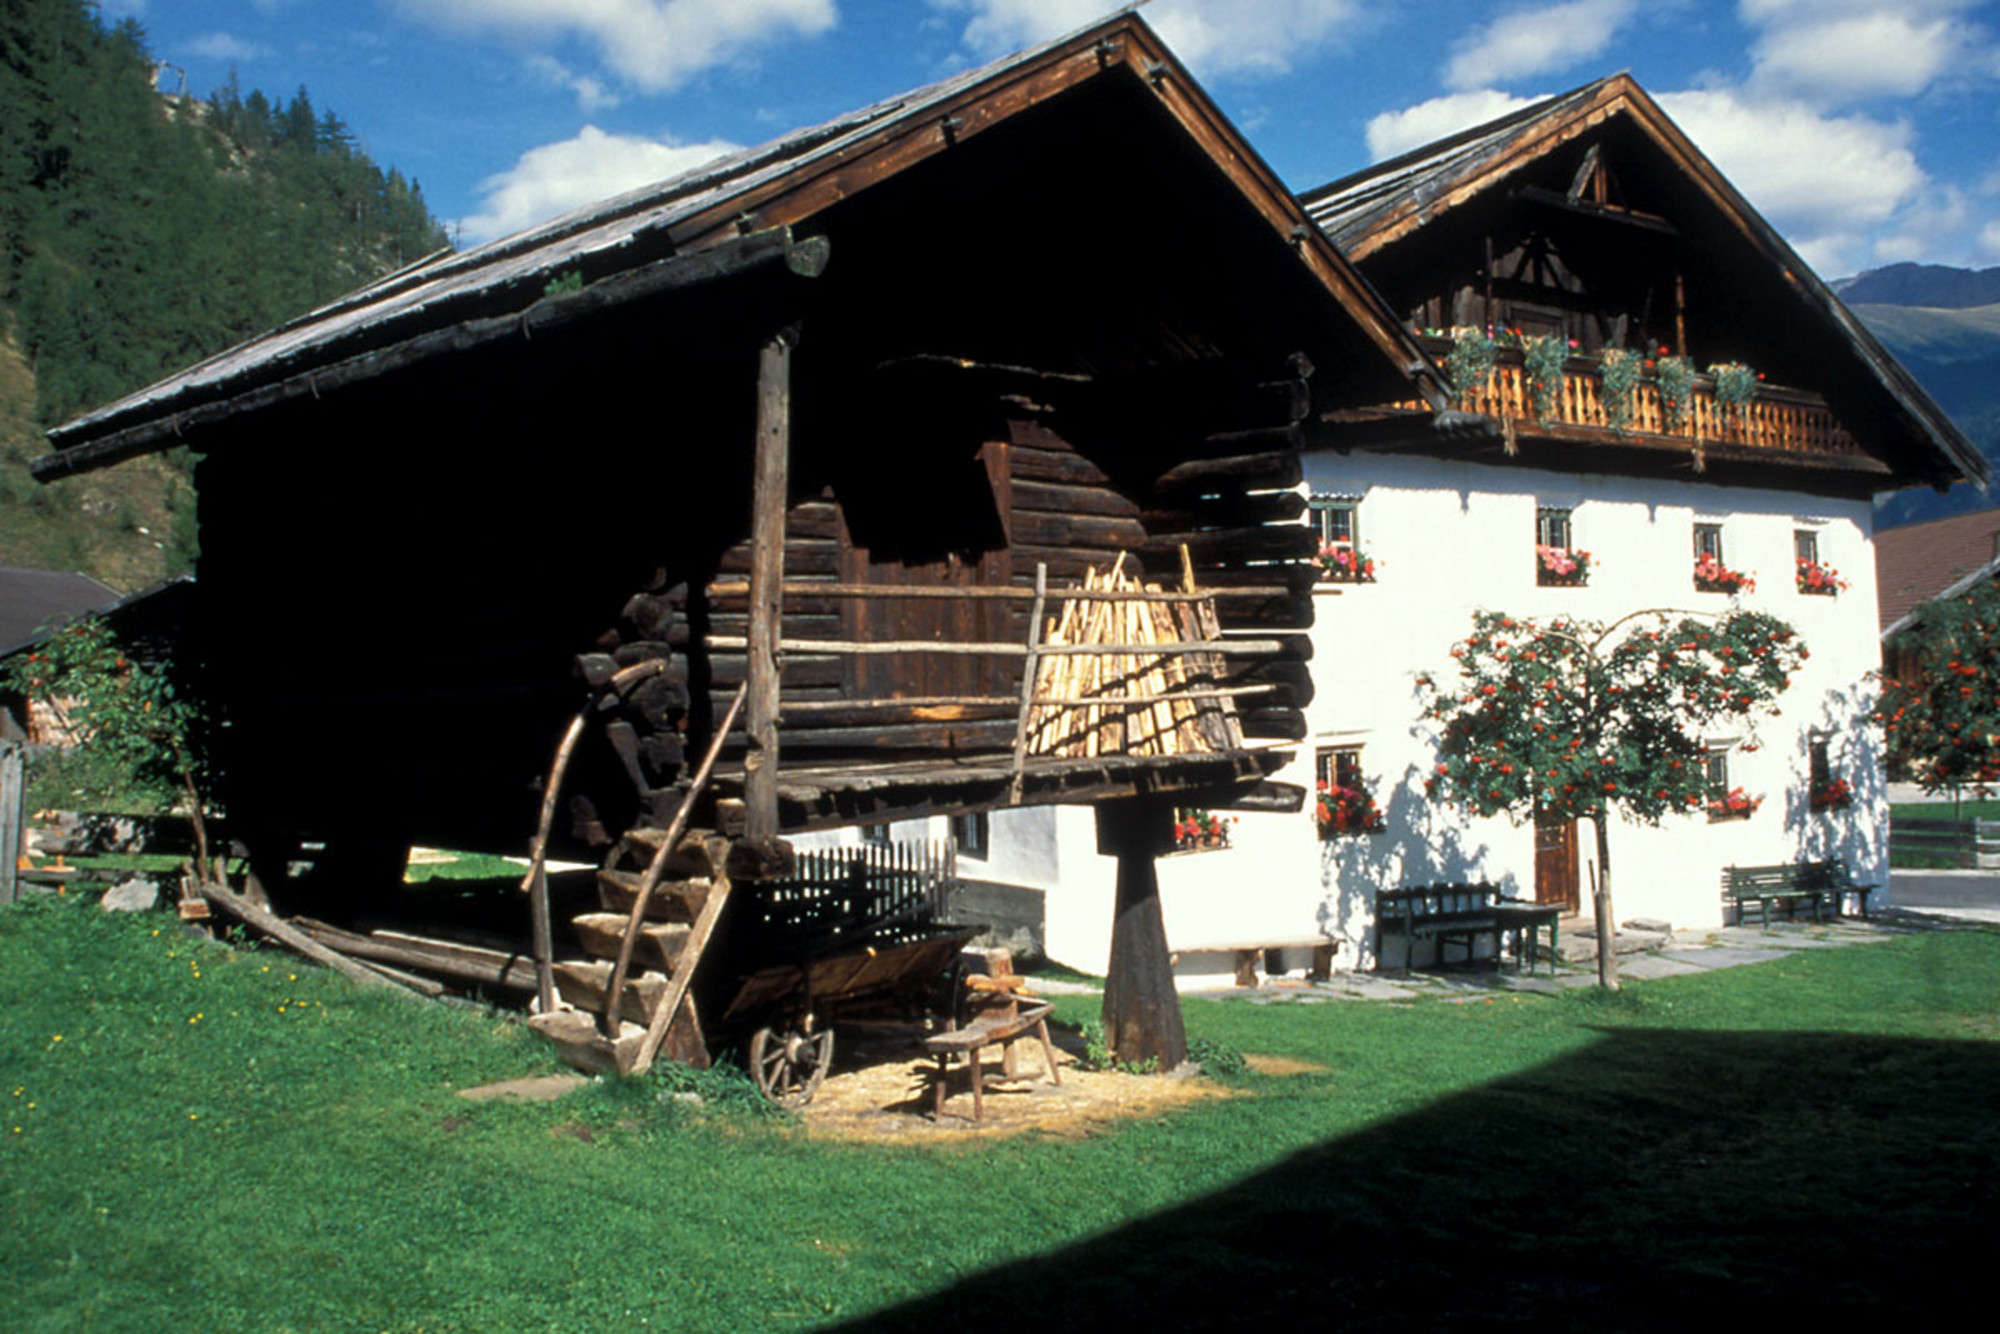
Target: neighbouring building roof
[1372,210]
[1942,558]
[30,599]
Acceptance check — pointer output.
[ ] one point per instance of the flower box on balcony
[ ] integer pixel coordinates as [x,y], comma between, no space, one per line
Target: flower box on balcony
[1347,810]
[1831,796]
[1712,576]
[1561,567]
[1200,831]
[1733,805]
[1345,563]
[1819,580]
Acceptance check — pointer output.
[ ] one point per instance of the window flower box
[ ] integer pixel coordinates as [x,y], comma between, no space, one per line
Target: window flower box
[1733,805]
[1712,576]
[1201,831]
[1347,810]
[1819,580]
[1345,563]
[1830,796]
[1561,567]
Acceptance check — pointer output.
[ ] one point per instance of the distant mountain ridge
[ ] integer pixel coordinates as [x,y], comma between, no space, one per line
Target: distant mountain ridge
[1943,324]
[1939,286]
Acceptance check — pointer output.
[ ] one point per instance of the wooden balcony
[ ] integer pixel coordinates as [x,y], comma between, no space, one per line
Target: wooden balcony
[1792,421]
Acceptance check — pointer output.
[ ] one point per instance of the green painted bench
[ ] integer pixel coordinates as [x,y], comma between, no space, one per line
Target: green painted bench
[1823,884]
[1454,914]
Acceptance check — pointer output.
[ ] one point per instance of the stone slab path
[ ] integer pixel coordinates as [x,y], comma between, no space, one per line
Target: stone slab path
[1677,955]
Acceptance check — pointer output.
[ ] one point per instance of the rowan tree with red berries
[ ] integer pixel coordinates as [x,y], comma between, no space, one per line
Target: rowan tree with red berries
[1572,718]
[1940,705]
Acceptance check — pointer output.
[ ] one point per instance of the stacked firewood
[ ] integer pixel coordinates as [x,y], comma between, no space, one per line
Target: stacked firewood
[1118,708]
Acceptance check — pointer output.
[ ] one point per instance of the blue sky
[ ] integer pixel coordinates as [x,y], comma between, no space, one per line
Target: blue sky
[1868,131]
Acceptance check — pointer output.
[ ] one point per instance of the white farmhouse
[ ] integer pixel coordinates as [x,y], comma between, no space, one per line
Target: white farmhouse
[1592,221]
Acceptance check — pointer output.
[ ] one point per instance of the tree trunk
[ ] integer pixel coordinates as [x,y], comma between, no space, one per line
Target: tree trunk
[1142,1010]
[1600,904]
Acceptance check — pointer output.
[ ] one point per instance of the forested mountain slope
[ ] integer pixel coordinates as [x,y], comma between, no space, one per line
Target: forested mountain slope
[140,233]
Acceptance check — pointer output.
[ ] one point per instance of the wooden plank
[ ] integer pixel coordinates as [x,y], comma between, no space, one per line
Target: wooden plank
[12,817]
[293,938]
[1069,498]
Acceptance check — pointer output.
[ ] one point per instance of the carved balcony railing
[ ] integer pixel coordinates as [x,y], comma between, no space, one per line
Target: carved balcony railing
[1777,418]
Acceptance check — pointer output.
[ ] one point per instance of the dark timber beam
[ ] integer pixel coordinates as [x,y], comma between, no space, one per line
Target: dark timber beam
[769,491]
[1142,1011]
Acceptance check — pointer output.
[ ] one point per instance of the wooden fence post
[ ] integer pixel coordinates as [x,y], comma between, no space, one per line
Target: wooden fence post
[12,812]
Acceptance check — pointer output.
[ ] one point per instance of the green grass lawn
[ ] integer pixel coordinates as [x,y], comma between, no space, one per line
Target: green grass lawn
[206,1139]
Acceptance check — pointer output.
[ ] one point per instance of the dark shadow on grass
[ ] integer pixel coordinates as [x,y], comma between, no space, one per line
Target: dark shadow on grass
[1654,1179]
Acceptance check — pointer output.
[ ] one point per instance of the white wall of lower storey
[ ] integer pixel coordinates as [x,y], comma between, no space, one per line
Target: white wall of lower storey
[1450,538]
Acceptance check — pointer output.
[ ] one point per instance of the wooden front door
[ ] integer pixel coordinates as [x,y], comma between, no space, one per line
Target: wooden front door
[941,525]
[1555,862]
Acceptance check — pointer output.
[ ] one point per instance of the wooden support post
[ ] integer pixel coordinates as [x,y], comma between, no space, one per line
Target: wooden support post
[769,488]
[12,786]
[538,920]
[1142,1011]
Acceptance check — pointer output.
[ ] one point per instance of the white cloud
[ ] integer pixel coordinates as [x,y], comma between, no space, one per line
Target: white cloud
[591,94]
[1836,51]
[1212,36]
[1989,238]
[1822,180]
[1394,132]
[655,44]
[224,46]
[555,178]
[1528,42]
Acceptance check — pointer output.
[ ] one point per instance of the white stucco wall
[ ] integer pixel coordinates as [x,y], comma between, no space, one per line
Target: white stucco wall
[1450,538]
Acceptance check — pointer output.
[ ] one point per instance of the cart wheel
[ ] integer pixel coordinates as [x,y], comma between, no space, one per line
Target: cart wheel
[789,1066]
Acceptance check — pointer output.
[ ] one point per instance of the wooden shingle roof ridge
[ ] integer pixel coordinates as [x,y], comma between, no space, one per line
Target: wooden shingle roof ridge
[1351,207]
[700,210]
[1382,204]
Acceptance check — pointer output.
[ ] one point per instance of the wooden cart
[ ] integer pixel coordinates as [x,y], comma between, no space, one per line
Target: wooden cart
[854,934]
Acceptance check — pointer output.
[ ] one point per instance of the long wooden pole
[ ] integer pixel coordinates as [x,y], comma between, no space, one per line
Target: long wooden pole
[768,497]
[1028,670]
[1228,648]
[978,592]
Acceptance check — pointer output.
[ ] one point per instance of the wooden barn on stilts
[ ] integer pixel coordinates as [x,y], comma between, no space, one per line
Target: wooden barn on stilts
[785,464]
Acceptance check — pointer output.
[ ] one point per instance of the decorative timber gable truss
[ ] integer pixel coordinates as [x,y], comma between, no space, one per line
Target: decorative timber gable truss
[1592,217]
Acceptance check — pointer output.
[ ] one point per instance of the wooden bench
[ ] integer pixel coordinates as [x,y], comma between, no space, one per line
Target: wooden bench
[1461,914]
[998,1028]
[1823,884]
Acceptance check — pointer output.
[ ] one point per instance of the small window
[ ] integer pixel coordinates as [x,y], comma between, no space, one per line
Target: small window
[1558,563]
[1726,802]
[1339,766]
[971,833]
[1819,761]
[1336,522]
[1825,790]
[1805,546]
[1343,803]
[1334,518]
[875,834]
[1708,542]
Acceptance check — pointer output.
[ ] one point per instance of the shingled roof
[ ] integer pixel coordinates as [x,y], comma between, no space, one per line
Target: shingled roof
[1375,209]
[1941,558]
[769,188]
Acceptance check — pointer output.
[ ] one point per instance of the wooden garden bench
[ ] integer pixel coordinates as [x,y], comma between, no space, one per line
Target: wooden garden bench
[1823,884]
[998,1028]
[1461,914]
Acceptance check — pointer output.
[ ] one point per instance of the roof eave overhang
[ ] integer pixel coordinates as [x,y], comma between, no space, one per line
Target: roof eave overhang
[1121,46]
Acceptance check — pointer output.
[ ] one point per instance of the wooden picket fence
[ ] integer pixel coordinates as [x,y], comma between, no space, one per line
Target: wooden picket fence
[1918,843]
[876,892]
